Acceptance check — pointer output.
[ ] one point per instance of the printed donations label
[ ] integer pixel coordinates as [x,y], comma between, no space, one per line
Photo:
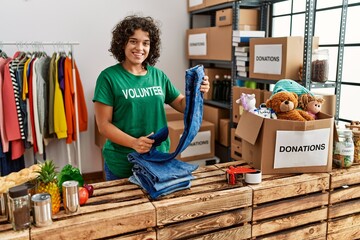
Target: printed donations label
[201,144]
[193,3]
[197,44]
[268,58]
[301,148]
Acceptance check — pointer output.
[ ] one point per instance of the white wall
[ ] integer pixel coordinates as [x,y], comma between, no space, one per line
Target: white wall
[90,22]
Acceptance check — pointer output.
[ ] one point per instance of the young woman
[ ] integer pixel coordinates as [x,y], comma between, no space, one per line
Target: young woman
[129,96]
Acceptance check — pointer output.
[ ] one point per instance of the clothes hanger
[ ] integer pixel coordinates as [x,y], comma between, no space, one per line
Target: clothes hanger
[3,54]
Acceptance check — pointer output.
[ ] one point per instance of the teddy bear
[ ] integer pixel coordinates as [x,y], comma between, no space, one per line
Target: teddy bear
[285,105]
[311,104]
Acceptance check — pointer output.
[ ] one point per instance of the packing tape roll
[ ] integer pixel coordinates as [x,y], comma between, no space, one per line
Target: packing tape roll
[253,178]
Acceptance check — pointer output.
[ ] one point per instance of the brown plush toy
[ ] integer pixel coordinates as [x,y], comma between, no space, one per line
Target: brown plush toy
[311,104]
[284,104]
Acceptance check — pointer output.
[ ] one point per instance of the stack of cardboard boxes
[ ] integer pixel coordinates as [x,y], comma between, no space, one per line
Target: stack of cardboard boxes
[202,146]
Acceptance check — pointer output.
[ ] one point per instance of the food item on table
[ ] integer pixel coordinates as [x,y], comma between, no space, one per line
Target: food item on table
[83,195]
[90,189]
[47,182]
[67,173]
[17,178]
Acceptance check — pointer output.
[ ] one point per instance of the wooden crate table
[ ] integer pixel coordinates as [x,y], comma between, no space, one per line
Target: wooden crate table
[210,209]
[118,209]
[344,204]
[7,232]
[292,206]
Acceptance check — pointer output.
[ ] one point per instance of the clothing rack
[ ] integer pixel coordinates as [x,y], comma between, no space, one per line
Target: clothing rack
[71,44]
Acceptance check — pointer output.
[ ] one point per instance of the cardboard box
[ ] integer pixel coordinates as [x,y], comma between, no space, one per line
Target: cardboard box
[236,152]
[213,115]
[199,4]
[248,18]
[224,132]
[193,5]
[283,146]
[212,43]
[210,3]
[329,106]
[211,73]
[236,146]
[237,108]
[173,115]
[202,146]
[235,139]
[277,58]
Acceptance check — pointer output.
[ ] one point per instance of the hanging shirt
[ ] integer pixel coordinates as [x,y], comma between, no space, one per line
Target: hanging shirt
[60,126]
[42,93]
[31,107]
[69,98]
[51,94]
[11,120]
[4,140]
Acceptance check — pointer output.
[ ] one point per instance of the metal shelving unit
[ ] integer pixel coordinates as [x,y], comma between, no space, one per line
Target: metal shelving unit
[265,8]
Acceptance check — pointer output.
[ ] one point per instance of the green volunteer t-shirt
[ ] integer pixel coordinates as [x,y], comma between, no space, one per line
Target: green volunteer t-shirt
[138,109]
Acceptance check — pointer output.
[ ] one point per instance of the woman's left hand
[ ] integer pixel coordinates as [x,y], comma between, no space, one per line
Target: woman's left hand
[205,85]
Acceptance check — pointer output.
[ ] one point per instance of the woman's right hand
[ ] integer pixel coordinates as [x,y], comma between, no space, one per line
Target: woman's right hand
[143,144]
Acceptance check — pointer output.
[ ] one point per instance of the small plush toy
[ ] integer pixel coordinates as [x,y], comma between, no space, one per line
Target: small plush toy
[248,102]
[290,86]
[284,104]
[311,104]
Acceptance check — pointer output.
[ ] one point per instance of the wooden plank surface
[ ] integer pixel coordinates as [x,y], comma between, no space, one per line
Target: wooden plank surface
[287,206]
[309,232]
[344,228]
[345,177]
[201,204]
[344,194]
[289,221]
[117,207]
[201,226]
[286,187]
[7,232]
[344,208]
[236,233]
[143,235]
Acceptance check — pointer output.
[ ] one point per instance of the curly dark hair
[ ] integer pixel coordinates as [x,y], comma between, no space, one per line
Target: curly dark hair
[126,28]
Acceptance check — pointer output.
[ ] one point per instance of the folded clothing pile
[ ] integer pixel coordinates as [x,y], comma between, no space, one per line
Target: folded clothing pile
[160,173]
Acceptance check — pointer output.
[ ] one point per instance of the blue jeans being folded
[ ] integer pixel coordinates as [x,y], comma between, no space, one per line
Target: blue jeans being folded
[153,193]
[160,173]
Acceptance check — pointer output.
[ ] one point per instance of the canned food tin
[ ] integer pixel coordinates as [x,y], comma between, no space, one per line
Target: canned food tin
[70,191]
[41,203]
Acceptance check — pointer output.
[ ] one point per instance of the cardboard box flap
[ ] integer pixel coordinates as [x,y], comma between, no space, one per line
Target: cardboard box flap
[243,131]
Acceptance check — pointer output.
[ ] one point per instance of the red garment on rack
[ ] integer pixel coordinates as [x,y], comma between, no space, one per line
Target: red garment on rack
[11,120]
[69,95]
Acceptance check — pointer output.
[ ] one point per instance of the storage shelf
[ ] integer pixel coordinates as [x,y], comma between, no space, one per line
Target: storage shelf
[323,85]
[329,84]
[220,104]
[244,3]
[212,63]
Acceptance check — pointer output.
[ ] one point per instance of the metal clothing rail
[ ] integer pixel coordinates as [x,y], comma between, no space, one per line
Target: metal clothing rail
[71,44]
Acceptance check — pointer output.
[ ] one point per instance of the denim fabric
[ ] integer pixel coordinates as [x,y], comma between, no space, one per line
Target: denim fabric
[192,119]
[163,171]
[142,181]
[156,170]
